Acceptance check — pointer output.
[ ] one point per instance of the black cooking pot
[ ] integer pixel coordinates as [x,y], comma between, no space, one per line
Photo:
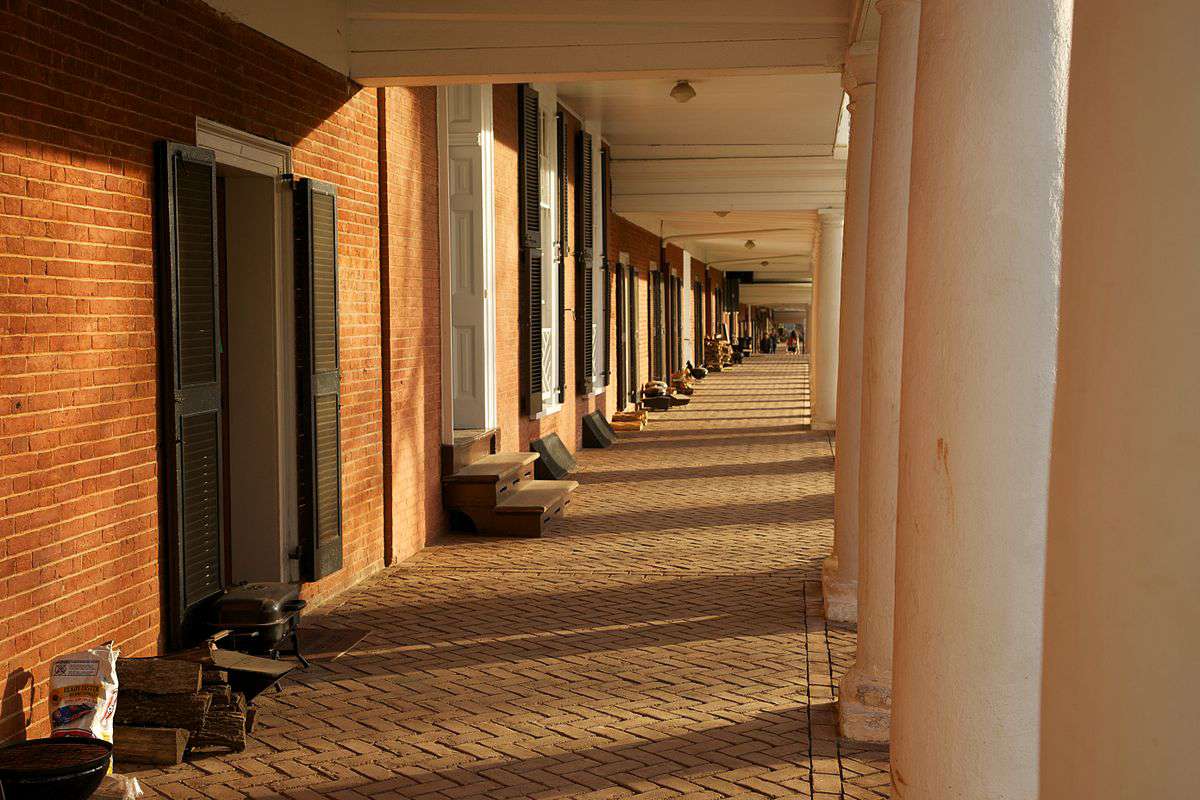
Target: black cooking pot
[63,768]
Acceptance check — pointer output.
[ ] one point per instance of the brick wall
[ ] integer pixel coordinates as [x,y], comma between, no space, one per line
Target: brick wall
[644,248]
[508,334]
[411,274]
[516,429]
[88,89]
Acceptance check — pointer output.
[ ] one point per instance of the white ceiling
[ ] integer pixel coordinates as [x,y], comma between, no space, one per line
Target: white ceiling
[767,149]
[783,239]
[798,111]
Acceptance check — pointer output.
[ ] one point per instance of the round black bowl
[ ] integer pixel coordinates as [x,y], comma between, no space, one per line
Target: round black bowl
[71,779]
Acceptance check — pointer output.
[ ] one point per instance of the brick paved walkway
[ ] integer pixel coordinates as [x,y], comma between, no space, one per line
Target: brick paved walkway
[666,641]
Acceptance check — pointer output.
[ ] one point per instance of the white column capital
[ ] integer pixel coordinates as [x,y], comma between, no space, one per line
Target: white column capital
[859,70]
[885,7]
[832,216]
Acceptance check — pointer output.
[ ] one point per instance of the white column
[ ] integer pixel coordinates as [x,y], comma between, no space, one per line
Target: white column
[865,693]
[840,572]
[1120,708]
[827,301]
[977,389]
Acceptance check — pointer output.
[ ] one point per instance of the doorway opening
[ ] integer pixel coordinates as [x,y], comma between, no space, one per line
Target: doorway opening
[257,378]
[466,174]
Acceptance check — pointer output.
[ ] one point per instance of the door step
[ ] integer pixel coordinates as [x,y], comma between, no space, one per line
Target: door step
[497,495]
[489,480]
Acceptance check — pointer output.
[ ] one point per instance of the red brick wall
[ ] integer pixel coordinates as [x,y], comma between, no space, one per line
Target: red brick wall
[644,248]
[88,89]
[508,334]
[516,429]
[411,270]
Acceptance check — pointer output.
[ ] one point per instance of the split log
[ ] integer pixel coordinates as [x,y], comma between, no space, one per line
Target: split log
[164,710]
[162,746]
[224,725]
[214,677]
[221,693]
[158,676]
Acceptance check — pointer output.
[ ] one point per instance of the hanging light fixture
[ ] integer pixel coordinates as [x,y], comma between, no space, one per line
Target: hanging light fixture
[722,214]
[750,245]
[682,92]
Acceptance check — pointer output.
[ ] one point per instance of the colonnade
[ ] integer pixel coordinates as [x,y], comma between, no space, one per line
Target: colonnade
[1018,441]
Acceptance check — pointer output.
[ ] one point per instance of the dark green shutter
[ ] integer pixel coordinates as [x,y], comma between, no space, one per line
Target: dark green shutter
[585,289]
[190,389]
[606,267]
[698,324]
[318,380]
[530,237]
[633,335]
[677,301]
[563,190]
[657,348]
[606,366]
[622,307]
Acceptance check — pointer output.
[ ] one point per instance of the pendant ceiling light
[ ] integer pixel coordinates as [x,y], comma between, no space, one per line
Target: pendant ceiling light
[750,245]
[721,214]
[682,92]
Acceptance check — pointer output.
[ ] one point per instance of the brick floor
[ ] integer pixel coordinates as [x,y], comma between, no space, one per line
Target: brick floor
[666,641]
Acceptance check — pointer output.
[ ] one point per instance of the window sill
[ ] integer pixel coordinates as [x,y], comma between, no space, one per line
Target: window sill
[549,411]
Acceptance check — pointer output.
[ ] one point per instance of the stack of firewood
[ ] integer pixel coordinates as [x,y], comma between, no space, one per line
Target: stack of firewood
[166,707]
[717,354]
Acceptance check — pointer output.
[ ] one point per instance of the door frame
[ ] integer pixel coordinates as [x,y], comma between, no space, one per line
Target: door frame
[484,237]
[254,154]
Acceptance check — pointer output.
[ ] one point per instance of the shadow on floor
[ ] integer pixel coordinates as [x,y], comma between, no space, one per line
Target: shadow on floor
[490,627]
[672,473]
[770,749]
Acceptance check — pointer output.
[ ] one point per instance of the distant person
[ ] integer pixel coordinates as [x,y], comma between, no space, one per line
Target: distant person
[792,343]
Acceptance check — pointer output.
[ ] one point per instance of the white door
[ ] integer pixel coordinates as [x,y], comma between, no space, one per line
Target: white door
[468,285]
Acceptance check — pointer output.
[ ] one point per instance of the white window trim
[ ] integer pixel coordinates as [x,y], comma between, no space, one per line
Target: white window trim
[484,139]
[551,244]
[244,150]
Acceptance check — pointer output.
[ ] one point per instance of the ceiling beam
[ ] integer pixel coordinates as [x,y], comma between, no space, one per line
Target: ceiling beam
[399,65]
[674,12]
[663,202]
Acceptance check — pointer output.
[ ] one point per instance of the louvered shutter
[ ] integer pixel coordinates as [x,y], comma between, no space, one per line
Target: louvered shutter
[622,338]
[585,289]
[563,221]
[606,267]
[190,347]
[318,380]
[633,335]
[656,323]
[530,190]
[698,323]
[677,300]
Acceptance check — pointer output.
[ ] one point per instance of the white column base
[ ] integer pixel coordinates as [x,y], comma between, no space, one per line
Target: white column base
[840,593]
[864,707]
